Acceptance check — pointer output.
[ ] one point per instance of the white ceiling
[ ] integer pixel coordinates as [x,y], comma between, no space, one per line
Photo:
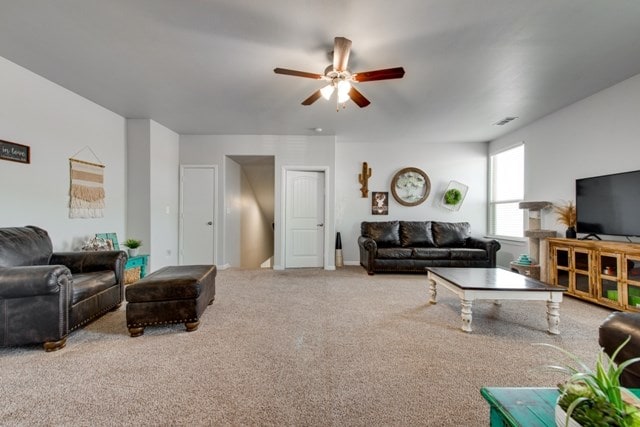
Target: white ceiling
[206,66]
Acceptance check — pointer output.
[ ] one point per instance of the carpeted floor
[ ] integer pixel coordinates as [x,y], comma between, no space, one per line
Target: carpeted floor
[297,347]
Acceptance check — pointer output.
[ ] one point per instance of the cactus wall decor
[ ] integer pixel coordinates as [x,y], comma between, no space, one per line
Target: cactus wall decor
[363,178]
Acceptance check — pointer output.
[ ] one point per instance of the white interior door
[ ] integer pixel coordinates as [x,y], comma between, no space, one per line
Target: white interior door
[304,219]
[197,228]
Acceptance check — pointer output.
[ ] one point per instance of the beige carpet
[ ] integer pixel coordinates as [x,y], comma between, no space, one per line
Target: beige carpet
[297,347]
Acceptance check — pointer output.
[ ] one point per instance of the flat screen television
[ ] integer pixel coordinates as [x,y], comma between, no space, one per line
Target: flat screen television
[609,204]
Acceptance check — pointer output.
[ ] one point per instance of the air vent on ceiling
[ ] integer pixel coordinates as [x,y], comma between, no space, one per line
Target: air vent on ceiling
[505,121]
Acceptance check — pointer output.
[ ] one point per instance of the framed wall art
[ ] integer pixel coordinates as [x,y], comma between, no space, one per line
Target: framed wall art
[454,195]
[410,186]
[15,152]
[380,203]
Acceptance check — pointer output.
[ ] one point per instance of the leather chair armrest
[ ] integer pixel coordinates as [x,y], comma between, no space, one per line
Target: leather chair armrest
[87,262]
[490,245]
[20,282]
[368,244]
[368,251]
[616,328]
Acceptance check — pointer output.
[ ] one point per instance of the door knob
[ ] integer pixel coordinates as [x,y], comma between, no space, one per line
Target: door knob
[210,223]
[319,225]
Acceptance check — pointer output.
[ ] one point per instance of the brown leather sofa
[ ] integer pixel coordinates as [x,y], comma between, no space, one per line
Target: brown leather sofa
[616,328]
[411,246]
[45,295]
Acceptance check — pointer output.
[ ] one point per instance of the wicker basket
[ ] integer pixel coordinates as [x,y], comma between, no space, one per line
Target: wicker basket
[131,275]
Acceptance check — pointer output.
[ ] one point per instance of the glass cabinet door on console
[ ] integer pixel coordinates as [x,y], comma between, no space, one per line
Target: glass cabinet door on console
[608,279]
[560,266]
[633,282]
[581,283]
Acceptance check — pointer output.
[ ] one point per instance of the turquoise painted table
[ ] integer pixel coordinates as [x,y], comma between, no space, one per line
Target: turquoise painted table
[141,261]
[525,407]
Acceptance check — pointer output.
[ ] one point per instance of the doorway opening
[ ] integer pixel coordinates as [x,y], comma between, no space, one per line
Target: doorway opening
[255,194]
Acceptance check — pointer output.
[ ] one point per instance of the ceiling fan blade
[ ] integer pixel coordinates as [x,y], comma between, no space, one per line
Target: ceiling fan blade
[358,98]
[341,50]
[313,98]
[297,73]
[386,74]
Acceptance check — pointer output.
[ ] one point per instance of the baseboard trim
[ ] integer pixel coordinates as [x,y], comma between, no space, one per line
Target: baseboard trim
[352,263]
[224,266]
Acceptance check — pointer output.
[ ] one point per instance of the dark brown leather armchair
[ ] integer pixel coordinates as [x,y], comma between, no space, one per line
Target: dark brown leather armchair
[45,295]
[614,330]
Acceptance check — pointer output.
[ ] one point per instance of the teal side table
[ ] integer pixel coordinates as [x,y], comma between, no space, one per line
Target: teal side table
[141,261]
[530,407]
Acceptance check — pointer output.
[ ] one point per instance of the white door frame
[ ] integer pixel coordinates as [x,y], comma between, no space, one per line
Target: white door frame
[216,223]
[283,199]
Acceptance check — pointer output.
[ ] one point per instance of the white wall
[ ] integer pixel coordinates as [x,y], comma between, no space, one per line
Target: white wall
[463,162]
[232,219]
[138,183]
[153,190]
[56,124]
[305,151]
[595,136]
[164,196]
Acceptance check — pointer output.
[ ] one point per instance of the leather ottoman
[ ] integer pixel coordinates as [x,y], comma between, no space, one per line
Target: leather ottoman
[175,294]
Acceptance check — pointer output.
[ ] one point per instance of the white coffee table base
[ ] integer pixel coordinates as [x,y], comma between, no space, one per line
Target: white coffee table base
[467,296]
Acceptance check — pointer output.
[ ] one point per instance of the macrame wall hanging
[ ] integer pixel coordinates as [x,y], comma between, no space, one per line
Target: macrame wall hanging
[86,192]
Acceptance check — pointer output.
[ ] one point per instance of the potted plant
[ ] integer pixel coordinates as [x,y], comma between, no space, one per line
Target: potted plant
[566,213]
[133,245]
[452,196]
[595,397]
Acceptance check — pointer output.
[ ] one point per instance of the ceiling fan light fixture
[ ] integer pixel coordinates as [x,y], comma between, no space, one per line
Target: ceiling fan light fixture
[343,96]
[344,87]
[327,91]
[338,78]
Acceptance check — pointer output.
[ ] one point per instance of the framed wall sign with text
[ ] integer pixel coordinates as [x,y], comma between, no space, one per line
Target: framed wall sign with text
[15,152]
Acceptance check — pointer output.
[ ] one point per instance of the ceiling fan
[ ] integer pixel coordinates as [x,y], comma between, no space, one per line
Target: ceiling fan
[340,79]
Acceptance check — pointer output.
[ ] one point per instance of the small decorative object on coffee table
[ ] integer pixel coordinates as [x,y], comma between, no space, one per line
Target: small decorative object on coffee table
[495,284]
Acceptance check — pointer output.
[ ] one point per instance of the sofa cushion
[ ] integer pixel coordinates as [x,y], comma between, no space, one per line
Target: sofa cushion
[468,254]
[394,253]
[450,234]
[385,233]
[431,253]
[416,234]
[86,285]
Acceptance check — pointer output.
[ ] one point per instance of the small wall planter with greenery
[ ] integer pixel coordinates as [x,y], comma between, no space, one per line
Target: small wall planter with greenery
[454,195]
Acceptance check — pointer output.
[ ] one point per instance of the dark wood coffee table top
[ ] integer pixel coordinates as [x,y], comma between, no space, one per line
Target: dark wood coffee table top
[491,279]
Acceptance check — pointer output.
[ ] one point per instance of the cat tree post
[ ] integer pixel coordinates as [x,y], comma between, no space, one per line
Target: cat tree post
[536,236]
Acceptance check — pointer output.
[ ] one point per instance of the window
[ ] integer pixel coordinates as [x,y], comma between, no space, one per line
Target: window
[506,190]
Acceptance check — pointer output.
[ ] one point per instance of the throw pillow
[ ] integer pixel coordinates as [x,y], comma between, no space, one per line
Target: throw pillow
[450,234]
[385,233]
[416,234]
